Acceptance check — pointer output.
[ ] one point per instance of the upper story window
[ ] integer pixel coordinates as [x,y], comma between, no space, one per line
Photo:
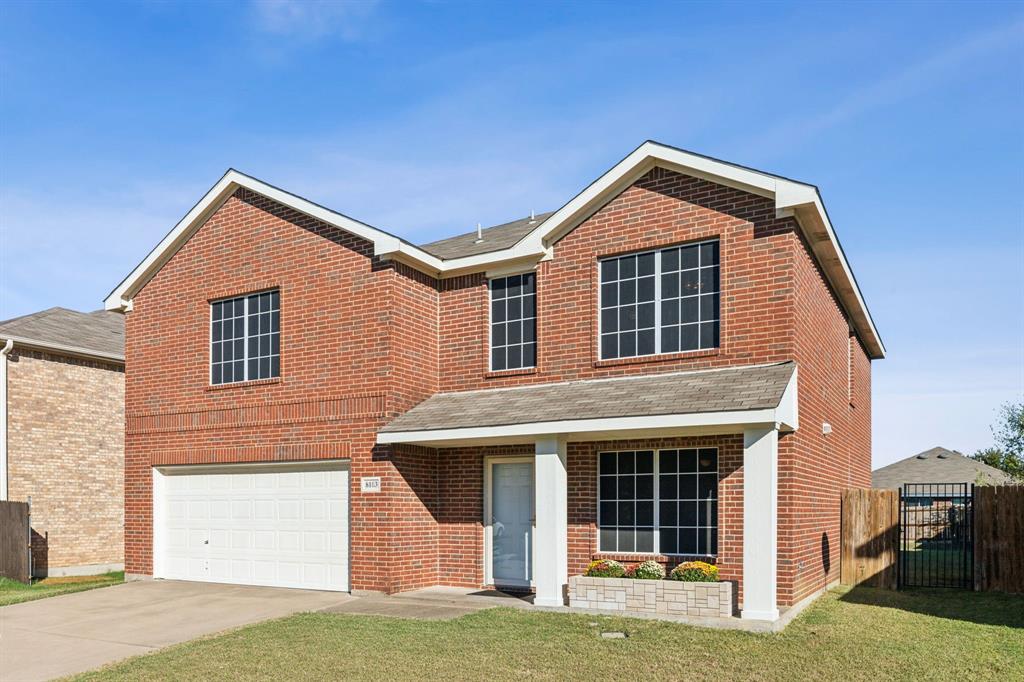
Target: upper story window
[663,301]
[513,322]
[245,338]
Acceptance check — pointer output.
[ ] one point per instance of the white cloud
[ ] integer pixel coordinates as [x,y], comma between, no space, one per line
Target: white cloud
[313,19]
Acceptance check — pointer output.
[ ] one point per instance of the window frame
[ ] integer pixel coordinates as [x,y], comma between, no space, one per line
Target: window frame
[656,472]
[245,338]
[490,323]
[658,302]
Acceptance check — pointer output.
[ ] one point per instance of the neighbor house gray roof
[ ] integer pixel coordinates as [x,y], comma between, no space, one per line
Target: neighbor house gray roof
[721,390]
[494,239]
[937,465]
[99,333]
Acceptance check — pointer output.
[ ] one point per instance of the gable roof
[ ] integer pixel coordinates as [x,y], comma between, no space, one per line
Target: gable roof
[98,334]
[937,465]
[756,393]
[459,255]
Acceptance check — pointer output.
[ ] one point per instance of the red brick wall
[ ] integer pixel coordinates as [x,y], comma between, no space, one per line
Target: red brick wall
[364,340]
[358,341]
[661,209]
[813,467]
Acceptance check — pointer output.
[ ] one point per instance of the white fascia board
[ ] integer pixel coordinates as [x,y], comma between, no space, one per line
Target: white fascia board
[790,198]
[62,349]
[582,426]
[383,243]
[787,414]
[804,202]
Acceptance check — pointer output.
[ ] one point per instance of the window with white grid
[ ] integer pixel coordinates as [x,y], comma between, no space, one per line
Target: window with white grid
[657,302]
[245,338]
[660,502]
[513,322]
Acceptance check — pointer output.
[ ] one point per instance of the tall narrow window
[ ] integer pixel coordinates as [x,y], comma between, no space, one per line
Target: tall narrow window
[663,502]
[245,338]
[513,322]
[663,301]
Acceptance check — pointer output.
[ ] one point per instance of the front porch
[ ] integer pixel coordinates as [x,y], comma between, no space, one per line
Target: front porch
[537,533]
[446,603]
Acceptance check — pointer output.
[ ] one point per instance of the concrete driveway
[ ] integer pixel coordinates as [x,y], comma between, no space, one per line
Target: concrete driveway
[59,636]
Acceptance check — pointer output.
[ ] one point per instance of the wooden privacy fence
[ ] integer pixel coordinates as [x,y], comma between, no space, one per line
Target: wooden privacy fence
[870,537]
[14,541]
[999,538]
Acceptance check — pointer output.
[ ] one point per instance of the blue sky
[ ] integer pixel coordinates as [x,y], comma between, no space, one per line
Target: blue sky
[423,118]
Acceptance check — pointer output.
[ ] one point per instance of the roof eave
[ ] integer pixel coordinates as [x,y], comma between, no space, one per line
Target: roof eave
[62,349]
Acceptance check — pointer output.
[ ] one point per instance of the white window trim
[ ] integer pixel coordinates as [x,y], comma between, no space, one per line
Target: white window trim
[490,322]
[245,338]
[657,303]
[656,501]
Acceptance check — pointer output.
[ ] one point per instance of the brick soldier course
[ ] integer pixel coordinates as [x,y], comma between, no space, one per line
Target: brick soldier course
[372,327]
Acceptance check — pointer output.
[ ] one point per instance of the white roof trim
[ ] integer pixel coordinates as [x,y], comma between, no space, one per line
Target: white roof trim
[62,349]
[591,429]
[791,198]
[383,243]
[783,416]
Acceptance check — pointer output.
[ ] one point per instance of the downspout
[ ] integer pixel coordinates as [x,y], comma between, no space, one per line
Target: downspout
[8,347]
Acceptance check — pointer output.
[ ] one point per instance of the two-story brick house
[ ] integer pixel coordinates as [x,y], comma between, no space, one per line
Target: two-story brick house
[674,364]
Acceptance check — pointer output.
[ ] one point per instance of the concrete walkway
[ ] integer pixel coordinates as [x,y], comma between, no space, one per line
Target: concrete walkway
[69,634]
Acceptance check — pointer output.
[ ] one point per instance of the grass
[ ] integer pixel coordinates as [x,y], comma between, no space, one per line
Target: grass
[925,565]
[858,634]
[12,592]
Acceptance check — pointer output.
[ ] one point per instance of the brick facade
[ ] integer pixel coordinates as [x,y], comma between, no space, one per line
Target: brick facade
[363,340]
[66,450]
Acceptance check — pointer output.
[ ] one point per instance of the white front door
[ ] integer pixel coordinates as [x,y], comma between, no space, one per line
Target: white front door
[274,525]
[510,522]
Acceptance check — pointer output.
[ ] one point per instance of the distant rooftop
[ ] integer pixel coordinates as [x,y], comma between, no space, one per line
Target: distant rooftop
[99,333]
[937,465]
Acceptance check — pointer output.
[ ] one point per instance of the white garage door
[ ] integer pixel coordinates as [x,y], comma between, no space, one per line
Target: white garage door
[283,526]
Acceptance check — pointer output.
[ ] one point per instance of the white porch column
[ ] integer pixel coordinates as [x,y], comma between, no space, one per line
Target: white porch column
[760,518]
[551,550]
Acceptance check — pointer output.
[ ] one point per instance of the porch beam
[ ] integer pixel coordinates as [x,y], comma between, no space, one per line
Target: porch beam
[760,523]
[551,552]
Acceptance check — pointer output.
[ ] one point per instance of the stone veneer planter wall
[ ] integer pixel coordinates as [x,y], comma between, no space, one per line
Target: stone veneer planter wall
[662,597]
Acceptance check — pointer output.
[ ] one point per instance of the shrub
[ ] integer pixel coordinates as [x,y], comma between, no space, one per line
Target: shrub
[648,570]
[695,572]
[605,568]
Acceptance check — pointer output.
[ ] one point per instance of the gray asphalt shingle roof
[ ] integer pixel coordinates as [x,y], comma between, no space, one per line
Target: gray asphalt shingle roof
[99,332]
[720,390]
[495,238]
[937,465]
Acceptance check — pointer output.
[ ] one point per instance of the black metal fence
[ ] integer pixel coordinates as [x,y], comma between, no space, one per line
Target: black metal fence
[936,535]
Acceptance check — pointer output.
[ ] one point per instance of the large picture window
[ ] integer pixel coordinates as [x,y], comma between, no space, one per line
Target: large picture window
[513,322]
[657,302]
[245,338]
[662,502]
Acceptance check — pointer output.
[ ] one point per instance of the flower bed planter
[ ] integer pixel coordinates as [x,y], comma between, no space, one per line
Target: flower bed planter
[663,597]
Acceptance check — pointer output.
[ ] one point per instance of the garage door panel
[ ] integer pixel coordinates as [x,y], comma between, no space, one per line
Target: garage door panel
[283,528]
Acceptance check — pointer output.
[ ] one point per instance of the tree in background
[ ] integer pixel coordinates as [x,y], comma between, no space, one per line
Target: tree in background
[1008,452]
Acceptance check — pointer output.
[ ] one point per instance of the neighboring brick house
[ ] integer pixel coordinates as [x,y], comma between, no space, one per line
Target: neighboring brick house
[62,436]
[312,402]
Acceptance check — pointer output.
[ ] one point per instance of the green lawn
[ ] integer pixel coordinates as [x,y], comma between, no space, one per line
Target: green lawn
[860,634]
[935,565]
[12,592]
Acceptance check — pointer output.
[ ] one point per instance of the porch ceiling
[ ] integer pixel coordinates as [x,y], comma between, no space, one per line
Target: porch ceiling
[681,403]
